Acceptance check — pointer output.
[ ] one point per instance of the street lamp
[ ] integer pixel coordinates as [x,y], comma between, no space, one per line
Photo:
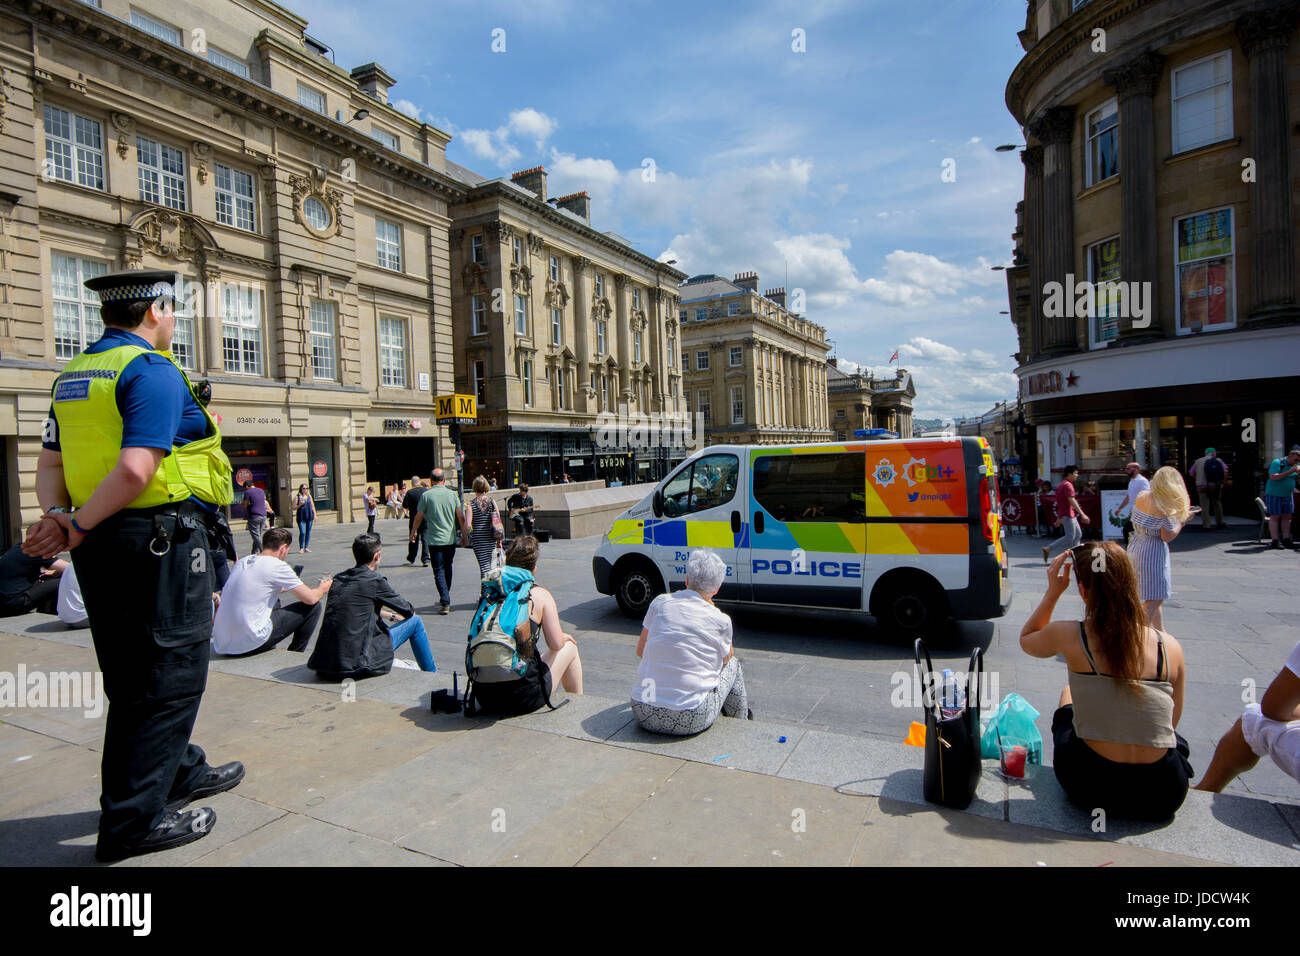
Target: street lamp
[1007,147]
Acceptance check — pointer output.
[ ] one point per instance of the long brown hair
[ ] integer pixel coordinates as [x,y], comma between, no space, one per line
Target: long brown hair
[1118,621]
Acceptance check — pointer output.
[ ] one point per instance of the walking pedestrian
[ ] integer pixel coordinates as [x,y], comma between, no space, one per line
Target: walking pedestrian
[130,445]
[1279,496]
[438,515]
[1158,516]
[1210,472]
[1069,513]
[411,505]
[371,503]
[304,512]
[259,513]
[482,528]
[1137,483]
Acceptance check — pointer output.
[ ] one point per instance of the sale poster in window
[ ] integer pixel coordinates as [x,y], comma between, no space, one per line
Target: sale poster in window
[1205,292]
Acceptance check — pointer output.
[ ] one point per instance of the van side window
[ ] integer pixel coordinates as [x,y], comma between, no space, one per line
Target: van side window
[706,483]
[829,487]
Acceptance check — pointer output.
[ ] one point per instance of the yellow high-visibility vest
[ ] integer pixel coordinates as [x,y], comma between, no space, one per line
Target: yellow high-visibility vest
[90,436]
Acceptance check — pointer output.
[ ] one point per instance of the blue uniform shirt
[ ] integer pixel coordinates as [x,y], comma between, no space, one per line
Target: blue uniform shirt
[158,410]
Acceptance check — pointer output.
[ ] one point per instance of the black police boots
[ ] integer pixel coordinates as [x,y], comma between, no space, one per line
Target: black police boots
[175,829]
[216,780]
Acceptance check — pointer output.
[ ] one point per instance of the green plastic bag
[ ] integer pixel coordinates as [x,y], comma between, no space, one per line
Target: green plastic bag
[1014,719]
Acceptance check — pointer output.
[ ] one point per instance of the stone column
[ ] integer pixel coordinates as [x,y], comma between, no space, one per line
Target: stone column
[1055,128]
[214,361]
[624,334]
[1265,37]
[1135,85]
[582,402]
[1032,157]
[655,323]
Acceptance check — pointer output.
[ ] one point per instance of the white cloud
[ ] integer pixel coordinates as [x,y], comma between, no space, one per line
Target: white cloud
[498,146]
[950,382]
[532,124]
[918,279]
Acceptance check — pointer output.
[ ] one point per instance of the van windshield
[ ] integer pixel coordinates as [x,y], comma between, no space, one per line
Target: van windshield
[707,482]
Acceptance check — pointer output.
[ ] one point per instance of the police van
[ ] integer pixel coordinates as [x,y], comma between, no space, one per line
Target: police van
[907,531]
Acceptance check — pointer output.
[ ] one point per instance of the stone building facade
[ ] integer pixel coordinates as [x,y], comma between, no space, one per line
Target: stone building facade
[555,323]
[1161,175]
[754,370]
[308,217]
[860,400]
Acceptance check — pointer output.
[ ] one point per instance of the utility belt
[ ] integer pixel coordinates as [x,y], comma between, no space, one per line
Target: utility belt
[162,521]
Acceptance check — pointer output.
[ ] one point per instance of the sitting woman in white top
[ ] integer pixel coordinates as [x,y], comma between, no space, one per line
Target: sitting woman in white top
[689,672]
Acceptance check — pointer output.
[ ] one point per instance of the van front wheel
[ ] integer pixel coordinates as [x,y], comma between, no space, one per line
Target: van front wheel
[636,586]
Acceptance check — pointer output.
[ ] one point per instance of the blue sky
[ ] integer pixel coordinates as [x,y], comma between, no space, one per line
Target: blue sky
[825,162]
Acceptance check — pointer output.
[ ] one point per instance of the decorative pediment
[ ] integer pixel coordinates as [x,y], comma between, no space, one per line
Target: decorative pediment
[521,277]
[562,353]
[475,277]
[557,294]
[670,326]
[638,321]
[167,234]
[601,309]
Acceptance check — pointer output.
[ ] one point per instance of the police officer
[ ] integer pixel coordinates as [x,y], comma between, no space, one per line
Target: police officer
[129,446]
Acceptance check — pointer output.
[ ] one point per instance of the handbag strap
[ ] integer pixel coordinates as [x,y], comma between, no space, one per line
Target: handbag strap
[930,702]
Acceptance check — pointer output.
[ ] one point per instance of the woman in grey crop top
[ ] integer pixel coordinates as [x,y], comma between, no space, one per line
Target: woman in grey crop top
[1114,742]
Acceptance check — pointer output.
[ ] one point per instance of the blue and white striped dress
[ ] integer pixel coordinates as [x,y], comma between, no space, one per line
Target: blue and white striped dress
[1150,555]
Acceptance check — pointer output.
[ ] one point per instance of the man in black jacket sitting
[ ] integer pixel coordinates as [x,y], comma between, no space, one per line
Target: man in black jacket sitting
[355,638]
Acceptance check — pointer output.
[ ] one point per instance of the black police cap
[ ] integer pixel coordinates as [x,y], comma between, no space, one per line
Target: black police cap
[134,285]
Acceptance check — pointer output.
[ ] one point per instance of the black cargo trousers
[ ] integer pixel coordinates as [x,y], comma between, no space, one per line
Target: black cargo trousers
[147,579]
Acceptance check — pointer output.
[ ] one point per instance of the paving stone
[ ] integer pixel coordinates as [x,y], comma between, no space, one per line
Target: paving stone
[582,716]
[1219,827]
[577,792]
[294,840]
[880,769]
[900,833]
[730,742]
[700,817]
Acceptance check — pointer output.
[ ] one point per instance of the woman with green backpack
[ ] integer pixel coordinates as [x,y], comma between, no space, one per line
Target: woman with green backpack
[511,671]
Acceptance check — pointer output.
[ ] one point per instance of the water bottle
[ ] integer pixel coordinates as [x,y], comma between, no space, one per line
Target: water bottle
[952,699]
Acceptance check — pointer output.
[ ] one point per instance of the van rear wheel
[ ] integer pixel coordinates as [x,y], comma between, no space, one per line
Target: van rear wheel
[635,587]
[911,607]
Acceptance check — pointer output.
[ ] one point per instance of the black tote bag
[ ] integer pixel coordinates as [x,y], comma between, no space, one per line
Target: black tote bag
[952,745]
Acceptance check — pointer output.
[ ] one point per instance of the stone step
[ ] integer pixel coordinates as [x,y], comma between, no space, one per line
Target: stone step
[1223,828]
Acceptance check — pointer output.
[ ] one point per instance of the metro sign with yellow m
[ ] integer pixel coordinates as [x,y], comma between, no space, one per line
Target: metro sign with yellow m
[461,409]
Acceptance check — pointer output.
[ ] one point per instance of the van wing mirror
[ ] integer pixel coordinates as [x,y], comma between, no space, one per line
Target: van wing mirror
[658,503]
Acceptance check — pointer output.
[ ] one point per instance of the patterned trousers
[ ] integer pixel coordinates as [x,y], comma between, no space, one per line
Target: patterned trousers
[728,698]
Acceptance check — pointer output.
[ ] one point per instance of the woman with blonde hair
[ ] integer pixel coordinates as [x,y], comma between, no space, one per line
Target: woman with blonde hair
[1158,515]
[481,526]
